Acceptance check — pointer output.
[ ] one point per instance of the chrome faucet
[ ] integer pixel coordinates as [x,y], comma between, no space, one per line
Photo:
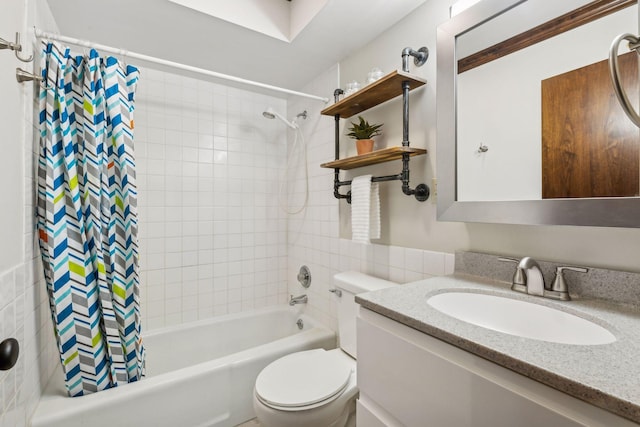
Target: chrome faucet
[301,299]
[528,279]
[533,279]
[559,288]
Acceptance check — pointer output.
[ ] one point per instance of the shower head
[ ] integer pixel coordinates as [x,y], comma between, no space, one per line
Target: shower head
[270,114]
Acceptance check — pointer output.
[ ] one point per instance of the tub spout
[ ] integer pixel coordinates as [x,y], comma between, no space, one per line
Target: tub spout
[302,299]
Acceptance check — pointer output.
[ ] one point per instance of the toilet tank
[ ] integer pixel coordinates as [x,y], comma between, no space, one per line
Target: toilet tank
[352,283]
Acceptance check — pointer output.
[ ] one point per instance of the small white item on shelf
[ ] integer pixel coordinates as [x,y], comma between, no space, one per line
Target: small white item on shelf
[352,87]
[374,74]
[365,209]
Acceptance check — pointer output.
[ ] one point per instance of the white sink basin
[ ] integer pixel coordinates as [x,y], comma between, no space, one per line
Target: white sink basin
[520,318]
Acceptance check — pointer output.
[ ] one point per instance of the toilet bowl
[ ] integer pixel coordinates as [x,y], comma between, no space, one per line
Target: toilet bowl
[317,388]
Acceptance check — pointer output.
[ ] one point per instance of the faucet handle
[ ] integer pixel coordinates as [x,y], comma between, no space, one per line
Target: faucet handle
[578,269]
[559,286]
[519,281]
[336,291]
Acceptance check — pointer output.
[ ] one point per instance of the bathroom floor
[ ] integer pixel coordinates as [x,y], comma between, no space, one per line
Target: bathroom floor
[251,423]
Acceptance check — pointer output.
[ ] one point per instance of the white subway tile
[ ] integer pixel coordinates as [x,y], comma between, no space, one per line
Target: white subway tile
[414,260]
[397,257]
[397,274]
[449,263]
[434,263]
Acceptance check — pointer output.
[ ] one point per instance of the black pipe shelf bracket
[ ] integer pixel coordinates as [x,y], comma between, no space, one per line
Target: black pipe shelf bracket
[388,87]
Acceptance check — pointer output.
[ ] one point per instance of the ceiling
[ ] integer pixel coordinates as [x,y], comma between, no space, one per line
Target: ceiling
[283,20]
[173,32]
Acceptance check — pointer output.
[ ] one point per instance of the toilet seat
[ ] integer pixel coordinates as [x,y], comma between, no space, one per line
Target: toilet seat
[304,380]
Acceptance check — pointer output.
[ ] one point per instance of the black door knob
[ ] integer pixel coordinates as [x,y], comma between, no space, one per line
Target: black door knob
[9,350]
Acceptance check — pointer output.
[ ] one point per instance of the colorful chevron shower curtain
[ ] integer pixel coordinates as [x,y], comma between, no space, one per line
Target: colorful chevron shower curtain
[87,217]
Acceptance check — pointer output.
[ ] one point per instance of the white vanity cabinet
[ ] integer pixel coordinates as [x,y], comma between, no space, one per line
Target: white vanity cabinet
[408,378]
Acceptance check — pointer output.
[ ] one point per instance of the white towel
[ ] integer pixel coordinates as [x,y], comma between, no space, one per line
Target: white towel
[365,209]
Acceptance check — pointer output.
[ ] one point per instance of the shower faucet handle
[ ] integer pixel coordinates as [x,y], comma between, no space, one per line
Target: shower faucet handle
[304,276]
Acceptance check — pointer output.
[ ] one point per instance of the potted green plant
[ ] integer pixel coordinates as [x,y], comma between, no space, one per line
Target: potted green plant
[362,132]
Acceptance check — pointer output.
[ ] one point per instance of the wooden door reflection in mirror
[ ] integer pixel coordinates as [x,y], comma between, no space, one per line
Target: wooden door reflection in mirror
[589,146]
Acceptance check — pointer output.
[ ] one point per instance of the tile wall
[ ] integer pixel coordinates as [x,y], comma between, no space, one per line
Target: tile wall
[212,238]
[24,306]
[25,316]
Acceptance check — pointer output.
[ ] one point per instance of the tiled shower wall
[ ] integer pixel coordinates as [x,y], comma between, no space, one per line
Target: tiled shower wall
[24,306]
[313,237]
[212,238]
[25,316]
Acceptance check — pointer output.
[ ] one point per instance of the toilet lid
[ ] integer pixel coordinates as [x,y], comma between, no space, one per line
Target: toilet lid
[303,378]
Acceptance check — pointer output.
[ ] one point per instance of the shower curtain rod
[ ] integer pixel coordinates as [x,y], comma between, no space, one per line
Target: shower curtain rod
[84,43]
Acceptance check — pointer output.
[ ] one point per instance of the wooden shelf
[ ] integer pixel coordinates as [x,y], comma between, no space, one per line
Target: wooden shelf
[376,93]
[375,157]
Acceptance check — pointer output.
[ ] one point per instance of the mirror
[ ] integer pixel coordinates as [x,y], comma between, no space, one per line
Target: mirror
[527,133]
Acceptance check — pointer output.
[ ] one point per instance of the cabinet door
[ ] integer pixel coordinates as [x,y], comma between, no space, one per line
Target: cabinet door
[422,381]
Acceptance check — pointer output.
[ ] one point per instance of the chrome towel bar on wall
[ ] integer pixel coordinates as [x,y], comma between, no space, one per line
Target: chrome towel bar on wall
[614,71]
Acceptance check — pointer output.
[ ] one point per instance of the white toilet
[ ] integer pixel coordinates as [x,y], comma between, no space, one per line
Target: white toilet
[317,388]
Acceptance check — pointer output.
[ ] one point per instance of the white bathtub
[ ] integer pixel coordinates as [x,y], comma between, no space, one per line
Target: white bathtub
[198,374]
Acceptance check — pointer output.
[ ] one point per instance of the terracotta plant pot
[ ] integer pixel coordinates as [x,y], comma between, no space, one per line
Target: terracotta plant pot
[364,146]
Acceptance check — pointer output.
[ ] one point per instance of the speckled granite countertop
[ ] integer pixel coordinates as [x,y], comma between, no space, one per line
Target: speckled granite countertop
[607,376]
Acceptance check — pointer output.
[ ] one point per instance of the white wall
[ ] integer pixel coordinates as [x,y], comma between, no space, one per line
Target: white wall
[405,221]
[12,128]
[24,308]
[412,224]
[313,235]
[302,13]
[212,239]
